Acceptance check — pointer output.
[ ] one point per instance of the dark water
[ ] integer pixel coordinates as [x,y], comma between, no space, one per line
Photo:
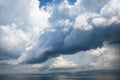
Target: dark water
[59,77]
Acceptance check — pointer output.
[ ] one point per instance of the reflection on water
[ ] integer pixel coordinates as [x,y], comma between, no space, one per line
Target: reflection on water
[59,77]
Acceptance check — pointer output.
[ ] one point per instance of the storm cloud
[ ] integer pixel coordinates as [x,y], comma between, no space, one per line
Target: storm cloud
[40,36]
[79,32]
[77,40]
[32,34]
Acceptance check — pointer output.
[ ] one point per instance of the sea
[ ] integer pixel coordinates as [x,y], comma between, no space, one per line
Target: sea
[57,77]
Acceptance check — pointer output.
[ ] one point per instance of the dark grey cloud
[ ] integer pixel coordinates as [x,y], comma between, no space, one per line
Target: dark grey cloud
[4,55]
[105,29]
[61,36]
[76,40]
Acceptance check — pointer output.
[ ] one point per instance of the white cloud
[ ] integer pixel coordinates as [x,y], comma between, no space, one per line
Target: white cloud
[106,56]
[64,5]
[22,14]
[99,21]
[21,24]
[60,62]
[82,23]
[13,39]
[109,14]
[65,23]
[98,51]
[112,8]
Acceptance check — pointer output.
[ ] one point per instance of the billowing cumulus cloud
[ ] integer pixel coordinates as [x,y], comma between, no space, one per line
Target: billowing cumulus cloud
[33,34]
[13,41]
[88,30]
[20,24]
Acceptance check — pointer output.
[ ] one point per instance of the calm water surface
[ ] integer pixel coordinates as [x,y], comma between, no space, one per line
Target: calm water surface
[59,77]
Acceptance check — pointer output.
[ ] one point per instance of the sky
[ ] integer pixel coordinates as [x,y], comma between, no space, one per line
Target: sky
[43,36]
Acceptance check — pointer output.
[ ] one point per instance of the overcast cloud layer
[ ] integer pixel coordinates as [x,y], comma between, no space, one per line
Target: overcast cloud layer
[58,35]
